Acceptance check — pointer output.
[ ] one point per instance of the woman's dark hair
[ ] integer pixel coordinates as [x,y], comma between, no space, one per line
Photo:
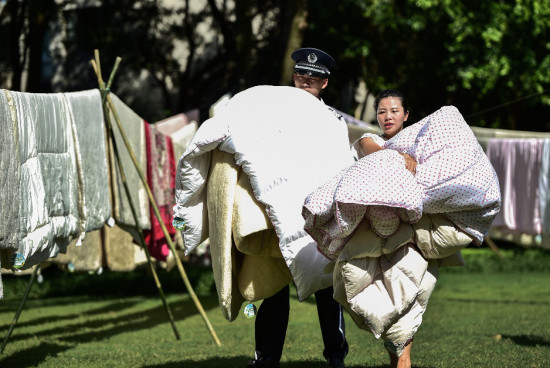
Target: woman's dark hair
[391,93]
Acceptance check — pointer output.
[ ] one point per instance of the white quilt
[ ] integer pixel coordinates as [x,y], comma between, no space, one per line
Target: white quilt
[49,203]
[288,143]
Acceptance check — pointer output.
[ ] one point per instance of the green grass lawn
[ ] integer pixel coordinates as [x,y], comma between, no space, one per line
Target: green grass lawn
[493,313]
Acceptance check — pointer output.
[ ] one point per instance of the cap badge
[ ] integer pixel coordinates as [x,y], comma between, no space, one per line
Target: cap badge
[312,58]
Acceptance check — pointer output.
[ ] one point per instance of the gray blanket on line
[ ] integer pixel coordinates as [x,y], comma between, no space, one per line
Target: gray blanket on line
[135,132]
[87,113]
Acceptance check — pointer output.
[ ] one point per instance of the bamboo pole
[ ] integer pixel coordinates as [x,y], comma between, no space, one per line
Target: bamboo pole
[142,240]
[21,305]
[493,246]
[132,207]
[171,245]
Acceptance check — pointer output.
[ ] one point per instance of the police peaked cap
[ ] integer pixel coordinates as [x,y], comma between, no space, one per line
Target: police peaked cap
[312,62]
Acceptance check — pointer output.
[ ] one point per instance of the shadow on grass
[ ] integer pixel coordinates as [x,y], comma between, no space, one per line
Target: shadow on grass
[33,356]
[113,307]
[130,322]
[526,340]
[241,361]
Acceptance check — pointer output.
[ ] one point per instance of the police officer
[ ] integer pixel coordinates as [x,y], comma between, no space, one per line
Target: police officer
[311,73]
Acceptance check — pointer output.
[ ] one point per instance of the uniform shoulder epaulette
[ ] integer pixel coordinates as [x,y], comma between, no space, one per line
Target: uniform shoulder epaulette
[338,116]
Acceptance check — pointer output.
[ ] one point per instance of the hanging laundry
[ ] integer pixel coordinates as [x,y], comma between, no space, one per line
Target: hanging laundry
[483,135]
[87,112]
[50,210]
[544,189]
[87,256]
[517,163]
[9,180]
[9,185]
[180,128]
[161,172]
[135,133]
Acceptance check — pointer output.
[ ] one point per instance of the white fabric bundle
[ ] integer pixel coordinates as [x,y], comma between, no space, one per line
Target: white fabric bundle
[288,143]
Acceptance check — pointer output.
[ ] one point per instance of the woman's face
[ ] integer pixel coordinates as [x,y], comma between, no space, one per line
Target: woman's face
[391,116]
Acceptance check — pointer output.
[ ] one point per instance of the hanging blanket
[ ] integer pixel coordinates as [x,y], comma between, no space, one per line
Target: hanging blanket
[9,179]
[518,163]
[161,171]
[9,185]
[544,189]
[135,132]
[87,113]
[288,143]
[453,176]
[50,207]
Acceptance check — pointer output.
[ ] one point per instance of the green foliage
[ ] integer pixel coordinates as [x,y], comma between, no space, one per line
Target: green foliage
[476,55]
[491,59]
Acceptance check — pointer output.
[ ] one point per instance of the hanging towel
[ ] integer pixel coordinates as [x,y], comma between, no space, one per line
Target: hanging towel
[483,135]
[161,171]
[135,133]
[120,250]
[174,123]
[518,163]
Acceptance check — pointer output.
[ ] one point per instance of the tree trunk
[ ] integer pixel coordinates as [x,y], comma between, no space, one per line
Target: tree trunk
[17,24]
[295,38]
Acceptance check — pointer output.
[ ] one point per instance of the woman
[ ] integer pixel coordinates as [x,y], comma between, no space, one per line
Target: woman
[389,226]
[391,112]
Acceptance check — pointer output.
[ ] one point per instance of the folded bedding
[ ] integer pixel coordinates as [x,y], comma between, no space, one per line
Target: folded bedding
[288,143]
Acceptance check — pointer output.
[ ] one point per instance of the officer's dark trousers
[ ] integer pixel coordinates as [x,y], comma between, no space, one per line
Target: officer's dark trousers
[272,321]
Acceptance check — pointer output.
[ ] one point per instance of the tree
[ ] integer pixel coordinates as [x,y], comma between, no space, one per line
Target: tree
[491,59]
[473,54]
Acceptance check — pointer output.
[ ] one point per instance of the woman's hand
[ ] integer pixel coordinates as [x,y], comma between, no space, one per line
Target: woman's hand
[410,163]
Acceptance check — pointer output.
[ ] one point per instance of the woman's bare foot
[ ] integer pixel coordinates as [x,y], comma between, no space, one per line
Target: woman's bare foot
[404,361]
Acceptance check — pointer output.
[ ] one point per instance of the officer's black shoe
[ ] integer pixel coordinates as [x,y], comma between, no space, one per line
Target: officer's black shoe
[335,363]
[263,363]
